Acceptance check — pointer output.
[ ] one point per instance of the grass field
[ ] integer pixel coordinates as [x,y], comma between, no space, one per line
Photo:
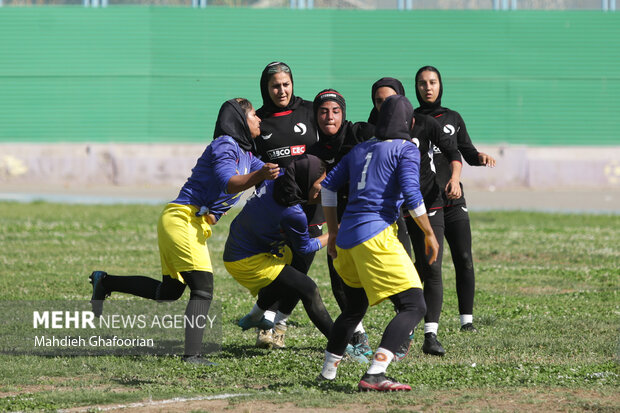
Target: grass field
[547,310]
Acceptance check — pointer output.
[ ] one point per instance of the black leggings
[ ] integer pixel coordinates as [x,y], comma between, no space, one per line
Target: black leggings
[169,289]
[288,288]
[458,235]
[429,274]
[410,309]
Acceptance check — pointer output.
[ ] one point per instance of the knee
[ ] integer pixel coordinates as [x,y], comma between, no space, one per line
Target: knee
[411,300]
[466,261]
[200,295]
[168,294]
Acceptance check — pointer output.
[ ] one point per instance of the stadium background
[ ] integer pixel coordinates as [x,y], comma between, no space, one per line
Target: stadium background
[129,95]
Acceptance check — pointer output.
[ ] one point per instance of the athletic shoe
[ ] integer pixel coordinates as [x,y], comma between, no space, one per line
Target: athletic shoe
[353,353]
[278,336]
[264,338]
[247,323]
[198,360]
[322,379]
[403,350]
[469,327]
[432,346]
[360,342]
[378,382]
[99,293]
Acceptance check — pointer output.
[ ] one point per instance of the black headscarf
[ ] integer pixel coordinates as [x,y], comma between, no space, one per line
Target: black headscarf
[429,108]
[331,142]
[269,107]
[383,82]
[292,188]
[232,121]
[395,118]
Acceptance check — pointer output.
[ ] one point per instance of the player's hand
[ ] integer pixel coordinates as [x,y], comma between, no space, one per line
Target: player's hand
[453,189]
[331,246]
[211,220]
[486,160]
[431,248]
[269,171]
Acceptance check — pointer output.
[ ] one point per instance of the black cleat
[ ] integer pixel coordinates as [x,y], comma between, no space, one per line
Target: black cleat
[198,360]
[432,346]
[469,327]
[99,292]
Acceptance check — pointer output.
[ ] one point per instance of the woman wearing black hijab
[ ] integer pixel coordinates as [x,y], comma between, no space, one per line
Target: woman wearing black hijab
[185,223]
[426,134]
[457,230]
[258,249]
[337,136]
[287,131]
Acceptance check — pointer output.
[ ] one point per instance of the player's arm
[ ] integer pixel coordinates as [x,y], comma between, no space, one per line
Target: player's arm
[295,227]
[335,179]
[408,176]
[431,246]
[329,199]
[239,183]
[467,148]
[449,148]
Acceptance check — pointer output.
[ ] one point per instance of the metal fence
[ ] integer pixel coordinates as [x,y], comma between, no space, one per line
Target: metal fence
[604,5]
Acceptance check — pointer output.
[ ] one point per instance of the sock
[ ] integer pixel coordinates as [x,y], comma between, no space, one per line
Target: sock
[466,319]
[380,361]
[431,328]
[256,313]
[270,315]
[196,311]
[359,328]
[330,366]
[281,318]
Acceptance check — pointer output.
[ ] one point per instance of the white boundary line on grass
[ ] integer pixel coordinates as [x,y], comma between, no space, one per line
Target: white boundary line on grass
[154,403]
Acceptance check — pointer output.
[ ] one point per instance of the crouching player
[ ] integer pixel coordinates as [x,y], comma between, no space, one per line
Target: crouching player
[258,249]
[367,253]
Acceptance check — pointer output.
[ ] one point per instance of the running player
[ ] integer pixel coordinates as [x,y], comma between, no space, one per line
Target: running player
[258,249]
[456,227]
[225,169]
[373,264]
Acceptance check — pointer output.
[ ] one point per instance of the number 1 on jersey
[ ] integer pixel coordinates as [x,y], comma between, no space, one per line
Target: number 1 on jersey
[362,183]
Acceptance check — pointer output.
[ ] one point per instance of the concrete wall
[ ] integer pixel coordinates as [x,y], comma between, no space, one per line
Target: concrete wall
[133,165]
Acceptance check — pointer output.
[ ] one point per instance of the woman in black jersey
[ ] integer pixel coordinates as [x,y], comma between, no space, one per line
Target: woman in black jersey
[337,136]
[457,231]
[287,130]
[426,133]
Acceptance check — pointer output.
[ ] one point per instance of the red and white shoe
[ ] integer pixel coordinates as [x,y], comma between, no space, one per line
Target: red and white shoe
[378,382]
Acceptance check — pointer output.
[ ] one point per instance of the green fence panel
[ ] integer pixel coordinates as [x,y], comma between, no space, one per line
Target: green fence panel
[141,74]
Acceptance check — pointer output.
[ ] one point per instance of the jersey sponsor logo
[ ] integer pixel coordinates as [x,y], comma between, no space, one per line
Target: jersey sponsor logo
[265,137]
[286,151]
[449,129]
[436,149]
[300,128]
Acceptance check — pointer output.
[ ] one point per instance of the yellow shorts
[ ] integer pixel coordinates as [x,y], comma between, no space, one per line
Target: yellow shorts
[182,238]
[258,271]
[380,265]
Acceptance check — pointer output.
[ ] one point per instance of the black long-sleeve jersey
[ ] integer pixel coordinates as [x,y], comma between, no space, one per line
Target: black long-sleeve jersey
[286,134]
[332,149]
[426,134]
[454,127]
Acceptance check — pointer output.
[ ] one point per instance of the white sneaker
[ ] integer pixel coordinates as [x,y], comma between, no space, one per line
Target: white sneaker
[278,336]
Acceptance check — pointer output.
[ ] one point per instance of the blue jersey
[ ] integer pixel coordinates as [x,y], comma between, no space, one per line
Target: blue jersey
[383,174]
[263,225]
[206,187]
